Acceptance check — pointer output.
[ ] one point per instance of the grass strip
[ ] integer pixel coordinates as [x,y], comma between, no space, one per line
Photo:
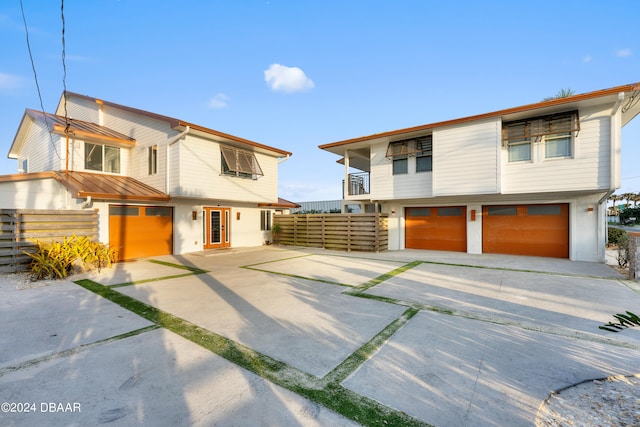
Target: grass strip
[155,279]
[194,270]
[357,358]
[382,278]
[296,276]
[75,350]
[334,396]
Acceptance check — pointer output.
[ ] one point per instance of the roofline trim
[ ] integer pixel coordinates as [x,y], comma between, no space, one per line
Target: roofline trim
[558,101]
[174,123]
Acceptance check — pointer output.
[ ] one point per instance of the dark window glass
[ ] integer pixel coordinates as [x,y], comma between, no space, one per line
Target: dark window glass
[449,211]
[400,166]
[158,211]
[544,210]
[124,210]
[418,211]
[92,157]
[502,210]
[424,163]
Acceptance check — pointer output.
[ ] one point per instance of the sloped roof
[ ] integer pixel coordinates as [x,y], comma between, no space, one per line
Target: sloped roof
[77,128]
[108,187]
[99,186]
[282,203]
[632,103]
[180,124]
[58,124]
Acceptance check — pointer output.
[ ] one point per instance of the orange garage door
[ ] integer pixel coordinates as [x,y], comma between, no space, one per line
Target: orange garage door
[535,230]
[141,231]
[440,228]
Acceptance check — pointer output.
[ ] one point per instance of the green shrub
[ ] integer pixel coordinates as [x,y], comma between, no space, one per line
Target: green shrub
[615,235]
[56,260]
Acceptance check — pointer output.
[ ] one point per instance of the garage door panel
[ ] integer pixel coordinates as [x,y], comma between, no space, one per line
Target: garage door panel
[141,231]
[534,230]
[436,228]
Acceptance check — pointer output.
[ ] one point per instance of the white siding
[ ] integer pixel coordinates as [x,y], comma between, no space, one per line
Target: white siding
[589,169]
[147,131]
[465,159]
[386,186]
[201,175]
[33,194]
[44,152]
[80,109]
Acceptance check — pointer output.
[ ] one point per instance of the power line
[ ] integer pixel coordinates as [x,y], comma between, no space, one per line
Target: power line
[35,76]
[64,71]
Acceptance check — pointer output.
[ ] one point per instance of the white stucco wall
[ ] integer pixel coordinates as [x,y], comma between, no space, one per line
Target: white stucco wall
[34,194]
[586,243]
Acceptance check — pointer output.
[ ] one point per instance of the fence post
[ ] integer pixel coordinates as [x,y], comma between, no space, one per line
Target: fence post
[634,255]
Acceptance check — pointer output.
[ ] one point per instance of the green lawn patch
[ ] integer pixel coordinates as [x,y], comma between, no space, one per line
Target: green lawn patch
[325,391]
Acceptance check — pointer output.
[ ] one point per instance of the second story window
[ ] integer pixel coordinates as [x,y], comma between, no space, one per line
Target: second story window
[424,156]
[153,160]
[555,131]
[421,148]
[240,163]
[102,158]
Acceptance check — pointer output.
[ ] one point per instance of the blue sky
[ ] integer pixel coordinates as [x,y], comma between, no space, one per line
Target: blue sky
[297,74]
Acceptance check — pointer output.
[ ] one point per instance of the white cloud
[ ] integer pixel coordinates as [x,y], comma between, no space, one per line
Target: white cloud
[623,53]
[8,81]
[287,79]
[219,101]
[586,59]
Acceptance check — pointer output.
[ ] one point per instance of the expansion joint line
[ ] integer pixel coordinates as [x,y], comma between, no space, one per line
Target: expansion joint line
[74,350]
[382,278]
[361,355]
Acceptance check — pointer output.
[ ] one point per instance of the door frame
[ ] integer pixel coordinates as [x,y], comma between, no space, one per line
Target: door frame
[224,215]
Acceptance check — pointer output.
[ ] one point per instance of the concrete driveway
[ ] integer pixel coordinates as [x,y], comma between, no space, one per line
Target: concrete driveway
[284,336]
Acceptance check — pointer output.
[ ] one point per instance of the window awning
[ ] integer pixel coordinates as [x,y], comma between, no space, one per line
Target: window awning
[241,161]
[406,147]
[537,127]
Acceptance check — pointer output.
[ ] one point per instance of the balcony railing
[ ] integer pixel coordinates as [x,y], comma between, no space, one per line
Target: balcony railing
[358,184]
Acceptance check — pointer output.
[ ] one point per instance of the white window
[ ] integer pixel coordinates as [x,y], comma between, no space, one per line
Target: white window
[101,158]
[424,156]
[265,220]
[557,145]
[25,166]
[240,163]
[400,151]
[555,131]
[153,160]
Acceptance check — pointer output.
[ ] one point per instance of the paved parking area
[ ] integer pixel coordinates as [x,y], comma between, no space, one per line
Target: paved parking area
[286,336]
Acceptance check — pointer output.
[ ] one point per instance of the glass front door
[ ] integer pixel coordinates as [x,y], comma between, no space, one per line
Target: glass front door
[217,232]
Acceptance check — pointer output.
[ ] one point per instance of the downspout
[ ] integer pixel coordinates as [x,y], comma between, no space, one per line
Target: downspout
[170,142]
[86,203]
[615,142]
[614,137]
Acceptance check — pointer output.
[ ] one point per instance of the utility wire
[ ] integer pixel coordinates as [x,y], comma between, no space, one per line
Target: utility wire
[35,76]
[64,72]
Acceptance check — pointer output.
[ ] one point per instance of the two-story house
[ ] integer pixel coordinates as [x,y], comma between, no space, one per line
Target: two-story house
[528,180]
[161,185]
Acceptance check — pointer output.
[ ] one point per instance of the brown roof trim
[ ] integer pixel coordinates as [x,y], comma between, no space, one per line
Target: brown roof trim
[282,203]
[173,123]
[59,129]
[16,177]
[558,101]
[233,138]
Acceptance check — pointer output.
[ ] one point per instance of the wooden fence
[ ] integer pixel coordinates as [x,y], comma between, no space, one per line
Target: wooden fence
[19,226]
[350,232]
